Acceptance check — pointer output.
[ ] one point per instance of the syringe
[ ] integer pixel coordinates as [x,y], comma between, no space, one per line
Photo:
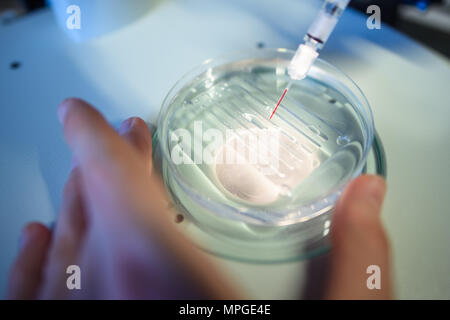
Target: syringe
[316,37]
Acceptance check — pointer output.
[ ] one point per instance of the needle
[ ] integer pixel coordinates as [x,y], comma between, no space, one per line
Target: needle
[281,99]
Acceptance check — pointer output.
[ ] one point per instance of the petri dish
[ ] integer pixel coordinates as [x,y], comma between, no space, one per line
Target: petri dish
[253,188]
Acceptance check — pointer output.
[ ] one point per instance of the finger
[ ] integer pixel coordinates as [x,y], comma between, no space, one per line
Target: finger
[26,273]
[88,135]
[107,162]
[136,132]
[71,222]
[67,239]
[359,241]
[117,186]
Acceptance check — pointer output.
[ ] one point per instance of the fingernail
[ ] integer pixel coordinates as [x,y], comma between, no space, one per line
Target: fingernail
[62,111]
[25,236]
[375,189]
[127,125]
[22,241]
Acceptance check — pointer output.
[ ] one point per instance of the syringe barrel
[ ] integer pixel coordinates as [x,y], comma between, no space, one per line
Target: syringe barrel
[316,37]
[326,20]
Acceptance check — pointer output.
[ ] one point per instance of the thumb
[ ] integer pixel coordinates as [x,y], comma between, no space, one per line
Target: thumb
[360,242]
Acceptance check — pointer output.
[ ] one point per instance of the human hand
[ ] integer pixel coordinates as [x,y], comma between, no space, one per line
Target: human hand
[114,225]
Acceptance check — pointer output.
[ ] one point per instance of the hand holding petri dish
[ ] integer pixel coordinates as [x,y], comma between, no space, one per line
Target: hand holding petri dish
[254,188]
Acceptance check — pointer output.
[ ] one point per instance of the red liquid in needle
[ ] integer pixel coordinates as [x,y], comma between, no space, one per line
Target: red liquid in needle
[279,101]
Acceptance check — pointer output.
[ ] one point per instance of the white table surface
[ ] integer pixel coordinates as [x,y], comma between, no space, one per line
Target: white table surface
[128,72]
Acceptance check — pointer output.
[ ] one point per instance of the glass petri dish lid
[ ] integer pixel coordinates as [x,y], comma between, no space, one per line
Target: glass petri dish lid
[223,152]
